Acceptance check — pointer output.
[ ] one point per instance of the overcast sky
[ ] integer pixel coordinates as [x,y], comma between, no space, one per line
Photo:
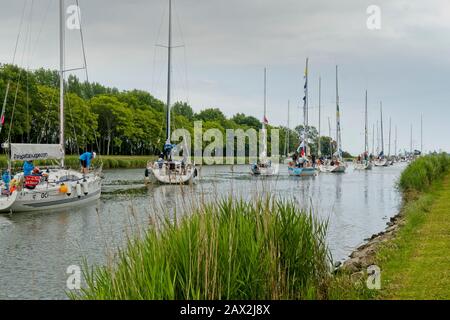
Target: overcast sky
[227,44]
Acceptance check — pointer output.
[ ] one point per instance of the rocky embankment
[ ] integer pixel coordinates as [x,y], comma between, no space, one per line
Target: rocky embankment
[364,255]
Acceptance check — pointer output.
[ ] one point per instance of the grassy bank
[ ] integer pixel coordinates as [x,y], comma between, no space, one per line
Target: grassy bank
[414,265]
[226,250]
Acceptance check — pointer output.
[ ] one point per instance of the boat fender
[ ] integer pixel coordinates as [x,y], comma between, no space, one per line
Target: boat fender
[63,188]
[195,172]
[69,190]
[85,188]
[146,173]
[78,190]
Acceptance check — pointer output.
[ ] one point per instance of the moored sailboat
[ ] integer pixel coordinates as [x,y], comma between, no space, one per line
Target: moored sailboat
[168,170]
[53,188]
[381,160]
[264,166]
[301,165]
[336,163]
[363,162]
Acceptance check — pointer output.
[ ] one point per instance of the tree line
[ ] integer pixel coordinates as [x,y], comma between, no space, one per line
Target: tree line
[108,120]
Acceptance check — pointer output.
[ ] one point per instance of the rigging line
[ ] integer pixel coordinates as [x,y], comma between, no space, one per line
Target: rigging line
[184,53]
[158,36]
[2,116]
[82,41]
[44,20]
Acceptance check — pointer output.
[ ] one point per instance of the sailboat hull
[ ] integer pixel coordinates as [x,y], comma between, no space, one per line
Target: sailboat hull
[48,196]
[363,166]
[302,172]
[265,171]
[332,169]
[381,163]
[165,174]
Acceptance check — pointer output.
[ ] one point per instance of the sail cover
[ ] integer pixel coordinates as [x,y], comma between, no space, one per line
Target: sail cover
[28,152]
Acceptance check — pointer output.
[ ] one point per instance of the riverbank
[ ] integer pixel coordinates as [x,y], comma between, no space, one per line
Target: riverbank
[413,253]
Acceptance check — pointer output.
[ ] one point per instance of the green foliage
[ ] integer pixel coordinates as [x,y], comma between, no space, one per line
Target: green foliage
[422,172]
[104,119]
[230,249]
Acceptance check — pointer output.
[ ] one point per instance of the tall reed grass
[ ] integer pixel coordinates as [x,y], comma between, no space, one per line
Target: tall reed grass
[230,249]
[420,174]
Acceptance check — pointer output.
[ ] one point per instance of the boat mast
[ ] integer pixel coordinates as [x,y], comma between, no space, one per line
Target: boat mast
[382,135]
[265,99]
[411,141]
[390,128]
[319,151]
[288,128]
[366,138]
[169,73]
[373,139]
[61,79]
[338,118]
[331,139]
[305,112]
[395,142]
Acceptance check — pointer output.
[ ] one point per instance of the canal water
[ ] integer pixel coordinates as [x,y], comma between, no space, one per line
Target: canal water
[37,248]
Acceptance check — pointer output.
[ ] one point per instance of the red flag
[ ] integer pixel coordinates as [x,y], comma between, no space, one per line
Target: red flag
[265,120]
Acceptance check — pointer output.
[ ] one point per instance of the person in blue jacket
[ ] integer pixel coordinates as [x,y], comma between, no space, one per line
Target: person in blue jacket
[28,168]
[85,161]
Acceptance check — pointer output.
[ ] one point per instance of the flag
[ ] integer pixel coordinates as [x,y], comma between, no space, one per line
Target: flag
[3,119]
[265,120]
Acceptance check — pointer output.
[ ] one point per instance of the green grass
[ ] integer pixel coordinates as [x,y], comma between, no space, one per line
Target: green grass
[421,173]
[231,249]
[415,264]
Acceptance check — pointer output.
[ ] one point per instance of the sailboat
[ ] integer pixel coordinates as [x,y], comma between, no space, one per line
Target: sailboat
[56,187]
[364,162]
[301,164]
[264,166]
[167,170]
[336,164]
[381,160]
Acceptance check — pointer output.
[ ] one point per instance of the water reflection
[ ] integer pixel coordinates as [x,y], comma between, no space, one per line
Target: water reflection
[37,248]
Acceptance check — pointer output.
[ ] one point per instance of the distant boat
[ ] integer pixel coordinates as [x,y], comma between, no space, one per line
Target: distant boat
[364,163]
[167,170]
[301,164]
[264,166]
[381,160]
[53,188]
[336,164]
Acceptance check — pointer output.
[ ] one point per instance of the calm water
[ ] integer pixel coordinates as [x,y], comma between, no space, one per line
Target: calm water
[37,248]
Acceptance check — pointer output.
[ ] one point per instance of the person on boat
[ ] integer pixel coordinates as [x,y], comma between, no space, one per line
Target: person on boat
[28,167]
[85,161]
[168,147]
[160,161]
[6,177]
[313,160]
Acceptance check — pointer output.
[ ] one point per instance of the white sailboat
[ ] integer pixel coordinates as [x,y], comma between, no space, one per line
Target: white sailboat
[301,164]
[381,160]
[336,164]
[168,170]
[363,162]
[55,188]
[264,166]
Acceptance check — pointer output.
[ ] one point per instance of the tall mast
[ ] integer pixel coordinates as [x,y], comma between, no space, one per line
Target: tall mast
[338,118]
[373,139]
[319,151]
[382,134]
[395,142]
[61,78]
[331,139]
[288,128]
[169,73]
[411,141]
[390,128]
[366,138]
[378,138]
[265,98]
[305,111]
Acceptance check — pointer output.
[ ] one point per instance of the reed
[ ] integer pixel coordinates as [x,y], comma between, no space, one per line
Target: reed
[420,174]
[229,249]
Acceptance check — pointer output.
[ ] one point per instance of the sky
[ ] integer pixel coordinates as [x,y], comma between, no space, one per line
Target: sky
[224,47]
